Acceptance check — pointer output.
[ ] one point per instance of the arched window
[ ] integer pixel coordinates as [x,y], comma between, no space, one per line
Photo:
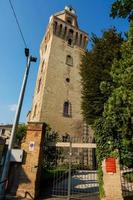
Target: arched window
[60,29]
[69,60]
[70,41]
[71,32]
[76,38]
[80,42]
[67,110]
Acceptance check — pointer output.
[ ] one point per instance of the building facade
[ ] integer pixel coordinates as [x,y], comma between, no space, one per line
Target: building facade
[5,132]
[57,96]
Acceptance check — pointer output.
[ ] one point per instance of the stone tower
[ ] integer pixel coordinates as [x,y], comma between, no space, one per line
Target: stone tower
[57,97]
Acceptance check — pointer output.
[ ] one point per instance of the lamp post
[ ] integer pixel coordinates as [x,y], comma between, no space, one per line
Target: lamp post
[4,176]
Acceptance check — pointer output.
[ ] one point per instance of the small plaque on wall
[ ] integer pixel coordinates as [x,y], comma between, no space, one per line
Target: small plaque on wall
[31,146]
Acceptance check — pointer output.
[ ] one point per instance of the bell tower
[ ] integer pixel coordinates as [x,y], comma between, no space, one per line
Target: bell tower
[57,96]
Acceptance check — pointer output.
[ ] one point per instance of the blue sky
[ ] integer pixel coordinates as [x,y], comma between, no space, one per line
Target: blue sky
[33,16]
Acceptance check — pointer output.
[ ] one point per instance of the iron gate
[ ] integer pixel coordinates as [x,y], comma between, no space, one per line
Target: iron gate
[73,170]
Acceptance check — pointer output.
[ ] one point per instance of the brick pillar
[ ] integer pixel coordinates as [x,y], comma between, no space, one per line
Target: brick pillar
[30,169]
[112,183]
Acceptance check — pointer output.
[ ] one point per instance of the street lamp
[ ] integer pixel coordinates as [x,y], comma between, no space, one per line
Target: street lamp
[16,120]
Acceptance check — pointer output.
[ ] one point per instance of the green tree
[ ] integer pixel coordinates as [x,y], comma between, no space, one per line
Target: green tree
[95,67]
[20,132]
[123,9]
[119,108]
[113,131]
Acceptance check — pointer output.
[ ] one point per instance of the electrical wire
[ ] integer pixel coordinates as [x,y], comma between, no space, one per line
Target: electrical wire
[15,16]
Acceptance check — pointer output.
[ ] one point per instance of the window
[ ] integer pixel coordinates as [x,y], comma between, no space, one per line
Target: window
[80,42]
[71,32]
[35,108]
[42,66]
[67,109]
[55,27]
[69,60]
[69,20]
[70,41]
[67,80]
[60,30]
[39,85]
[76,39]
[85,42]
[65,31]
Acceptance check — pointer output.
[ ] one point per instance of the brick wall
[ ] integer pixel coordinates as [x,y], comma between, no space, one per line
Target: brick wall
[30,169]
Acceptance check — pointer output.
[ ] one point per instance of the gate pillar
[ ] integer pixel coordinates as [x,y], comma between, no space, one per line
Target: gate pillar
[29,175]
[112,180]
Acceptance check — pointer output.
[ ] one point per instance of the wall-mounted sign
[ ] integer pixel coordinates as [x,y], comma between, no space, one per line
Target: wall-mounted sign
[111,165]
[31,146]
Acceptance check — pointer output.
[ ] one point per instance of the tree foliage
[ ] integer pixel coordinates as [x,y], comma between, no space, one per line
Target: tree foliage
[119,108]
[95,67]
[50,152]
[123,9]
[114,130]
[20,132]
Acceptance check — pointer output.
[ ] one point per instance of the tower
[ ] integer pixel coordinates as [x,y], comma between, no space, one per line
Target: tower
[57,96]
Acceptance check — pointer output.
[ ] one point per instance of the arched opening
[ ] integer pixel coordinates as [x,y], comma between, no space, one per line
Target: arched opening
[70,41]
[70,34]
[80,42]
[76,38]
[71,31]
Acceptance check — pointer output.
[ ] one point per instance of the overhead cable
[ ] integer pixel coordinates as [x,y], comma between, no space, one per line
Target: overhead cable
[20,30]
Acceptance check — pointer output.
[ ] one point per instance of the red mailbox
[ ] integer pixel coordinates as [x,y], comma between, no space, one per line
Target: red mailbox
[110,165]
